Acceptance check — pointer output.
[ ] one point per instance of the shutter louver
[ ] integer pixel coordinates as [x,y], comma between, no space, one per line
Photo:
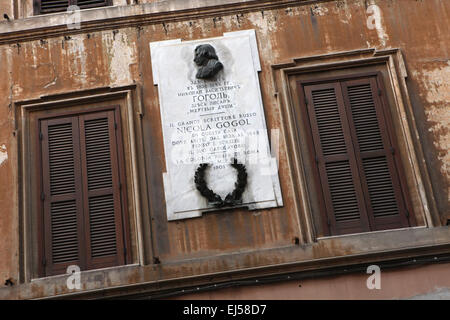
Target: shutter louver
[328,122]
[342,189]
[365,118]
[98,155]
[359,179]
[102,226]
[101,209]
[64,231]
[61,159]
[379,183]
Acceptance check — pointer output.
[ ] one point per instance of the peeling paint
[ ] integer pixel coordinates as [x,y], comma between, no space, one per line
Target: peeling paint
[3,154]
[375,21]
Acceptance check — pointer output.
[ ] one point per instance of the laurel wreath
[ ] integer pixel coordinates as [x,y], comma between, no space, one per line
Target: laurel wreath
[233,198]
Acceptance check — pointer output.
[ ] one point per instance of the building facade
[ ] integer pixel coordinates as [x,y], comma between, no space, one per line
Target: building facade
[355,99]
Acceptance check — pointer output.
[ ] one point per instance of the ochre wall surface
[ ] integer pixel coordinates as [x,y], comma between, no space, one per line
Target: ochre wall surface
[115,57]
[426,282]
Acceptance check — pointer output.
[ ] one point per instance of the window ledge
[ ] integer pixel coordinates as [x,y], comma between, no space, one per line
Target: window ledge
[327,256]
[53,24]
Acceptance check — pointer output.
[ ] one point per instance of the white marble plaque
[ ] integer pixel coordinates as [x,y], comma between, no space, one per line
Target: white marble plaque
[213,121]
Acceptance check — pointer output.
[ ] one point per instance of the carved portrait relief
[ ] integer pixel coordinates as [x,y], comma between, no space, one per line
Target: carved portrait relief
[208,62]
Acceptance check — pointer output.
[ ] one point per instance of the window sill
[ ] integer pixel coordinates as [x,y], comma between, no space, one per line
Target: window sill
[362,234]
[327,256]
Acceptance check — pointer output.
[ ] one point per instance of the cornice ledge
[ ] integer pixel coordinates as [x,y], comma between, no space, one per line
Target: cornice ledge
[114,17]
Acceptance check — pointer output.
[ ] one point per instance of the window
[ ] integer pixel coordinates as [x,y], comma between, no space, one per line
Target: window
[360,181]
[82,197]
[49,6]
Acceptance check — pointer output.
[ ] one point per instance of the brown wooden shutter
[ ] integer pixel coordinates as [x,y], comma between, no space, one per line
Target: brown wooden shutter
[355,156]
[49,6]
[63,201]
[375,154]
[102,189]
[82,192]
[337,167]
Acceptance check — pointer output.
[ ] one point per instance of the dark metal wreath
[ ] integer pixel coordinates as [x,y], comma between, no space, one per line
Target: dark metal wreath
[233,198]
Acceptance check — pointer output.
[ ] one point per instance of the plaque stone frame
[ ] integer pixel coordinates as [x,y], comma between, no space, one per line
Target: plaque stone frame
[182,103]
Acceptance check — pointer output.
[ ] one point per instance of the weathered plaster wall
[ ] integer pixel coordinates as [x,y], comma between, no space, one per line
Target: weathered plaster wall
[114,57]
[426,282]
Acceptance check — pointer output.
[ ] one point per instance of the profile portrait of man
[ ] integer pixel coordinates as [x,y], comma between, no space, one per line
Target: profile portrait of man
[207,60]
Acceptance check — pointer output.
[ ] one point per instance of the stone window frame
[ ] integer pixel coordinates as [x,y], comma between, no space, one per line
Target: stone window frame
[37,9]
[419,183]
[131,114]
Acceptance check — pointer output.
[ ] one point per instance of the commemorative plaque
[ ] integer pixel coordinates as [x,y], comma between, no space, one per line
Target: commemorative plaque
[215,137]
